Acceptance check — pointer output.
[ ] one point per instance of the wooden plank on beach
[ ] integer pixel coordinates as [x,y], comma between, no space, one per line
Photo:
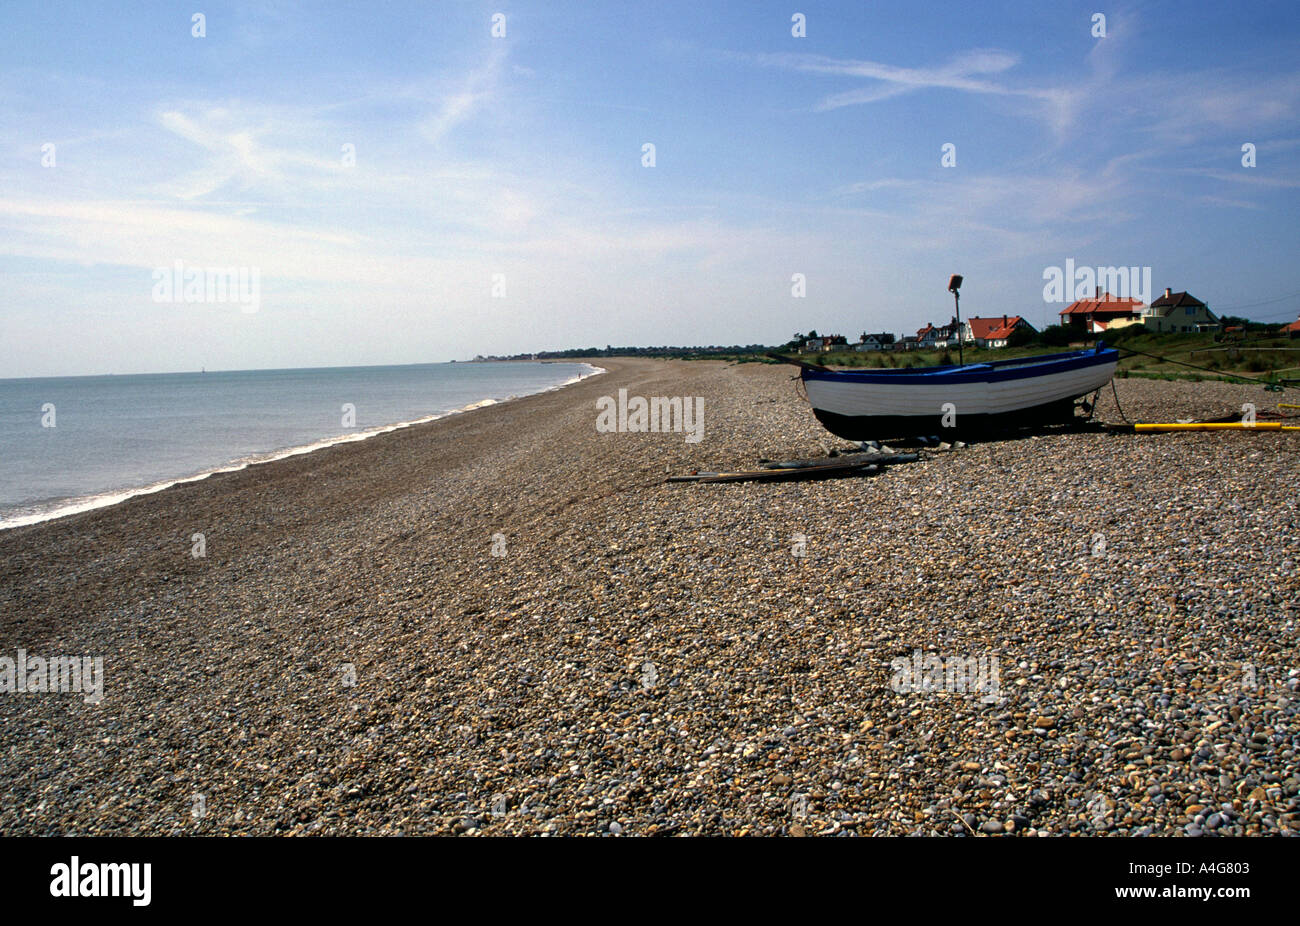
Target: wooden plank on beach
[867,457]
[772,475]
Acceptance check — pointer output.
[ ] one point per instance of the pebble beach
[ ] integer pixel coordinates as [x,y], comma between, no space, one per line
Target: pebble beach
[506,622]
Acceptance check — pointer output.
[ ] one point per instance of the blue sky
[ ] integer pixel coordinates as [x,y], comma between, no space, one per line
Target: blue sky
[521,157]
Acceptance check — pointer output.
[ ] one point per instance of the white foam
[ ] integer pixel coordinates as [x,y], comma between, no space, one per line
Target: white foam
[105,499]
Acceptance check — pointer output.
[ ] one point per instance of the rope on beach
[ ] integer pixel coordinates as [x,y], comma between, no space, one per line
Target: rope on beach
[1226,418]
[1119,408]
[1263,382]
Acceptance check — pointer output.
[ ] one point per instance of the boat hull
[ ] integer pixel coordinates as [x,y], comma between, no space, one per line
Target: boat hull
[956,401]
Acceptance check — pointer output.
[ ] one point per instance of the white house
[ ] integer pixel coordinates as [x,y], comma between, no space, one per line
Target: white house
[1179,312]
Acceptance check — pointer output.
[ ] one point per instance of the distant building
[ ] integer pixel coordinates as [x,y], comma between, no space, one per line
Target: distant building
[1180,312]
[881,341]
[934,337]
[906,343]
[1094,316]
[949,334]
[1292,329]
[994,332]
[814,345]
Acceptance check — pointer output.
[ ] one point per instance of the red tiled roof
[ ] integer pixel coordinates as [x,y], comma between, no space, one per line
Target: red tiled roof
[1107,304]
[1294,326]
[993,328]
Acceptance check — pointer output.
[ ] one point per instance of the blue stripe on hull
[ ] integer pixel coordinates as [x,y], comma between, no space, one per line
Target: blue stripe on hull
[996,372]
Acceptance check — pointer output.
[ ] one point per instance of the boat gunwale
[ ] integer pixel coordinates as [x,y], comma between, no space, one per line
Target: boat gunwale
[989,371]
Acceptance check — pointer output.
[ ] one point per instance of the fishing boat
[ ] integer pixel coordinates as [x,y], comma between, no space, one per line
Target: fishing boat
[965,399]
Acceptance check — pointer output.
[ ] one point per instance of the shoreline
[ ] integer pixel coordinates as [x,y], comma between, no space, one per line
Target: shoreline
[66,507]
[508,623]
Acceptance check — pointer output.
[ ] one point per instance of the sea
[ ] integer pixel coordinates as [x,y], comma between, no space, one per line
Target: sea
[70,444]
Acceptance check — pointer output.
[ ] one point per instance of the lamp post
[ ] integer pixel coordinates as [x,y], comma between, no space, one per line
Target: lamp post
[954,285]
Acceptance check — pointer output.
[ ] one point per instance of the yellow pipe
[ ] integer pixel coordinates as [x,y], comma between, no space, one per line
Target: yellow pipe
[1284,405]
[1216,426]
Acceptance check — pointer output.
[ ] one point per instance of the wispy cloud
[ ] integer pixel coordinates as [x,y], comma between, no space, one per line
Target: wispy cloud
[458,103]
[967,72]
[235,151]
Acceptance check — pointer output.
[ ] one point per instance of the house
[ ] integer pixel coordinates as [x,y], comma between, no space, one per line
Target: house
[948,335]
[825,343]
[1094,316]
[994,332]
[1292,329]
[906,343]
[1180,312]
[881,341]
[932,337]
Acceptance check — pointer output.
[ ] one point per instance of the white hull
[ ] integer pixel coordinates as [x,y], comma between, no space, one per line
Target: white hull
[926,399]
